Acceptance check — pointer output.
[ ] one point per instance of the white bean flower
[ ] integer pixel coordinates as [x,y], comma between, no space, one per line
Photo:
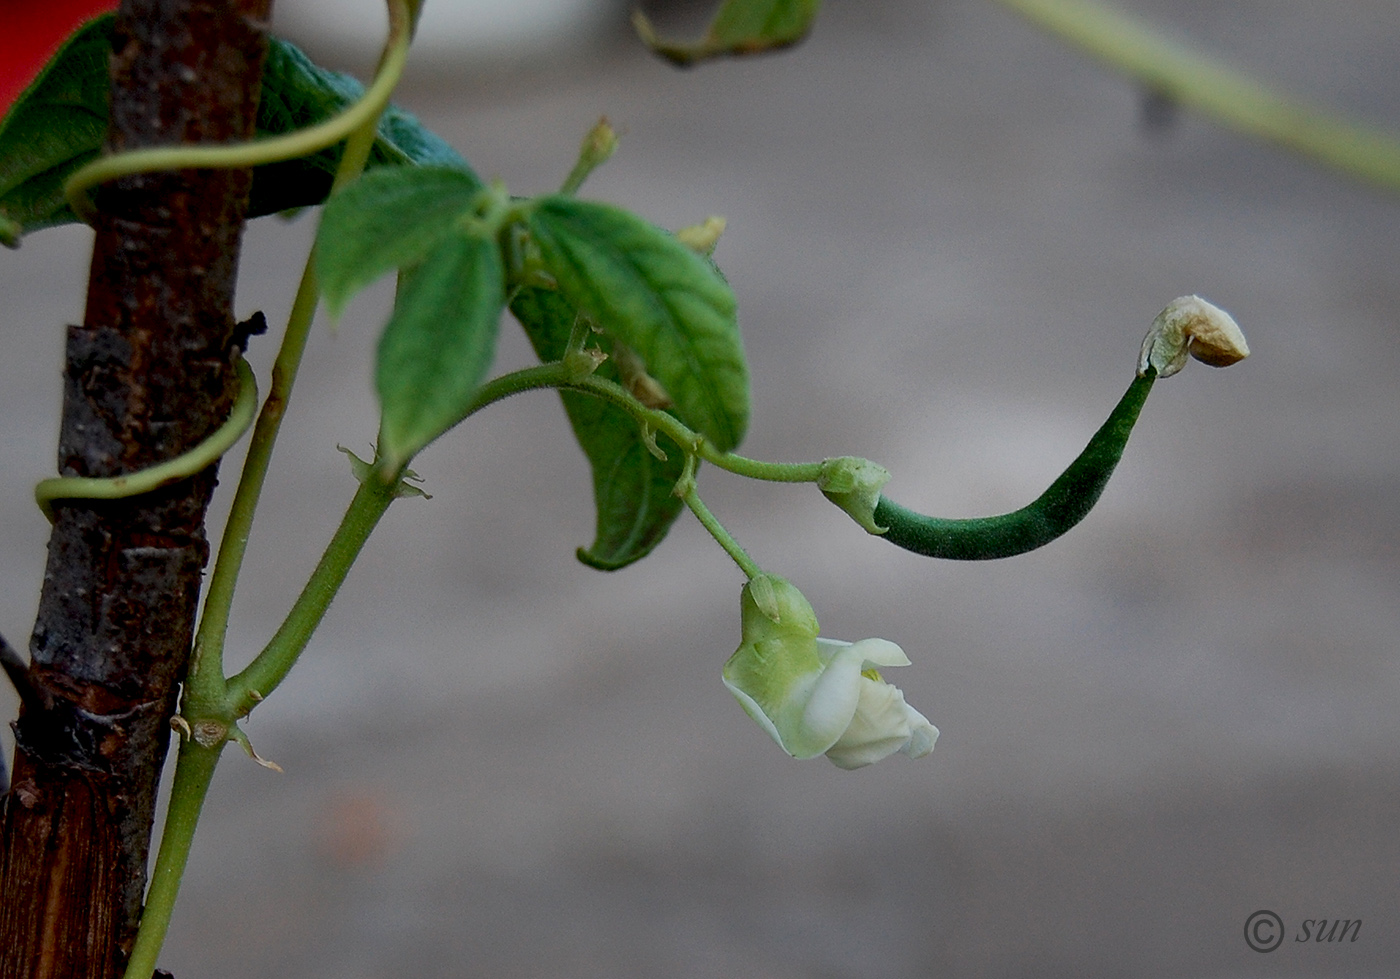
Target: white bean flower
[819,696]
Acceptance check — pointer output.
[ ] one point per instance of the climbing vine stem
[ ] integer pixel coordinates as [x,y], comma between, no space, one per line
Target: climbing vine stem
[272,665]
[206,668]
[292,146]
[206,692]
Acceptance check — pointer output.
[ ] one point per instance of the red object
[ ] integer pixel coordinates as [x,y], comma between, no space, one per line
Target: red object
[31,31]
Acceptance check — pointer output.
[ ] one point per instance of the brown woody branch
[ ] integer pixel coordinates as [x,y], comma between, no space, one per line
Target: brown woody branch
[148,376]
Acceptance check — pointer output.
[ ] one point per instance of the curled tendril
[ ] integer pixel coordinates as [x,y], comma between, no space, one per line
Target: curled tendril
[163,474]
[257,152]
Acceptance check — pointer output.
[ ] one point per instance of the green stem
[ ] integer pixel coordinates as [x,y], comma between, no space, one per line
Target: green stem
[557,374]
[597,147]
[1194,79]
[206,682]
[678,432]
[1068,500]
[718,532]
[193,773]
[773,472]
[207,696]
[271,665]
[576,177]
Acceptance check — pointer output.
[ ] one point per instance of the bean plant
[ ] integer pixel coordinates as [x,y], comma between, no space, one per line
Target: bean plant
[635,326]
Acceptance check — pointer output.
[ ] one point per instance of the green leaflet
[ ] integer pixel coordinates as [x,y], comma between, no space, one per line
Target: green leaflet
[387,219]
[438,344]
[739,27]
[631,487]
[55,126]
[646,289]
[58,124]
[297,93]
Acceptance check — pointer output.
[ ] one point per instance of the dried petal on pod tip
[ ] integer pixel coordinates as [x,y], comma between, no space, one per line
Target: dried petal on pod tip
[1191,325]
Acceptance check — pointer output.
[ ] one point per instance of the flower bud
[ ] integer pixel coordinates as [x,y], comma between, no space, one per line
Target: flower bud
[703,237]
[770,606]
[599,145]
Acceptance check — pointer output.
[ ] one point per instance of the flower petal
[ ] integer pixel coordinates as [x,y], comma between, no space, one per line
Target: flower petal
[881,652]
[831,703]
[1191,325]
[819,696]
[922,736]
[879,728]
[775,681]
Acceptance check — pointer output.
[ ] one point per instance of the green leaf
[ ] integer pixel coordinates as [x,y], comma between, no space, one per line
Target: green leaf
[631,487]
[438,344]
[58,124]
[386,220]
[55,126]
[739,27]
[296,94]
[668,304]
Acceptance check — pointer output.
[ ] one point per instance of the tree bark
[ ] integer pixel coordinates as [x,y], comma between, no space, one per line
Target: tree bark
[148,376]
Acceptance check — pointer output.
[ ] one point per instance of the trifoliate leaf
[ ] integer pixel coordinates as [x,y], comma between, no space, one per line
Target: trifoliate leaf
[631,487]
[438,344]
[671,306]
[387,219]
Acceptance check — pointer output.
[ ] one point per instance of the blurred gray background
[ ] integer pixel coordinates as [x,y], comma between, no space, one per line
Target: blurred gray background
[947,235]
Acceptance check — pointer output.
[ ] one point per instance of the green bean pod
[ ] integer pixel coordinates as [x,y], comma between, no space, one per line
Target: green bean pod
[1068,500]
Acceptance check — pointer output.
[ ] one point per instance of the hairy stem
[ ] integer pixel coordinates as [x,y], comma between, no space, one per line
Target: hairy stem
[719,533]
[272,665]
[202,456]
[206,671]
[304,142]
[193,772]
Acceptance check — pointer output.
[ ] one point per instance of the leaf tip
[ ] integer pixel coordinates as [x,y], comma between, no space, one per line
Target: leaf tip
[681,55]
[10,231]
